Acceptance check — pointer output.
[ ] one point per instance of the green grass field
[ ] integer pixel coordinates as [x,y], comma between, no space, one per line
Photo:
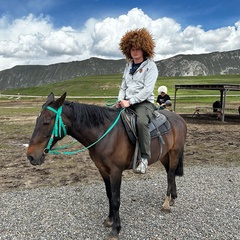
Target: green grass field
[102,87]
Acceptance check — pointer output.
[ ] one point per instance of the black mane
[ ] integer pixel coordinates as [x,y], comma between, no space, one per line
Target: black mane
[90,115]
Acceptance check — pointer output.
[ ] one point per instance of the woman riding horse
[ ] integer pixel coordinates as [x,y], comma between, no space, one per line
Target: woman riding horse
[137,89]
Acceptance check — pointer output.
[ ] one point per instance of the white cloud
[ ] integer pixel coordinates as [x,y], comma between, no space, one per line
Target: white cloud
[34,40]
[61,42]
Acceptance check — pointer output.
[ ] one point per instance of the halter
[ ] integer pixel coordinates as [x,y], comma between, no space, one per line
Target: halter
[59,127]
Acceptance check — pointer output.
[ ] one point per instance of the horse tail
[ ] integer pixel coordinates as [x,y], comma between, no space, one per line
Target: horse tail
[179,169]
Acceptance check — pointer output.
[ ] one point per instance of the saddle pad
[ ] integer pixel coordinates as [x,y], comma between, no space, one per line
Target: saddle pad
[157,127]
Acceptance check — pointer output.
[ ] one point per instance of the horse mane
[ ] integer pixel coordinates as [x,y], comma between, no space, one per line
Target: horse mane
[90,115]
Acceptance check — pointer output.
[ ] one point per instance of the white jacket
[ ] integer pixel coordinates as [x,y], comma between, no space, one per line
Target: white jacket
[140,86]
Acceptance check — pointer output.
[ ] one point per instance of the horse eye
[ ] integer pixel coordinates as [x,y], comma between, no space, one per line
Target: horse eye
[46,121]
[47,135]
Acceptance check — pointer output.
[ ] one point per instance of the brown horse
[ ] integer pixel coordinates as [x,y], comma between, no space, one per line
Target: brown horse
[112,152]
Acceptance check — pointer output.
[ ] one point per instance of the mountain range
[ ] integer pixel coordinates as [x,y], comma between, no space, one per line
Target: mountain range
[215,63]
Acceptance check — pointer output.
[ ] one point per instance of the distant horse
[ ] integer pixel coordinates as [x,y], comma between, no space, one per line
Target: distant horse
[113,153]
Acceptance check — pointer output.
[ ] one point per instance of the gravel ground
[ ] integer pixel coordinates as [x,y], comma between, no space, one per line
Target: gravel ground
[208,207]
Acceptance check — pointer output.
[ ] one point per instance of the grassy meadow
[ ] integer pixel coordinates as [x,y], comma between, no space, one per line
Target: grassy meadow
[104,87]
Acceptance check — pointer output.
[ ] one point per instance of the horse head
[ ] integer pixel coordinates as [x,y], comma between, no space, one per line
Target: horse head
[48,129]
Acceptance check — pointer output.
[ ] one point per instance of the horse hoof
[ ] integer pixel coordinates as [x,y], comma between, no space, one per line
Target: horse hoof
[165,210]
[171,202]
[107,223]
[111,236]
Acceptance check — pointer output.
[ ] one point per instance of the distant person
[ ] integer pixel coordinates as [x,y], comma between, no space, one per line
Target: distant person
[217,106]
[168,105]
[163,97]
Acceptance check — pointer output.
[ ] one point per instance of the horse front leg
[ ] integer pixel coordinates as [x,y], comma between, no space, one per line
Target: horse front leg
[113,185]
[115,179]
[109,220]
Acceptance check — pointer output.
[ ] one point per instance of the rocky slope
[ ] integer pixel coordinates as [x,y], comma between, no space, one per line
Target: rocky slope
[216,63]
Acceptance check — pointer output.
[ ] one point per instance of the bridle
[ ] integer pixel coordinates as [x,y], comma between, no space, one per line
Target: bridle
[58,127]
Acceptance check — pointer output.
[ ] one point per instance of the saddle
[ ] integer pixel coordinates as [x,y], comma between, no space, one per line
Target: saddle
[158,126]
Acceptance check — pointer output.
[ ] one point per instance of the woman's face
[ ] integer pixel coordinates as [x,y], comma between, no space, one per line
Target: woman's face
[136,53]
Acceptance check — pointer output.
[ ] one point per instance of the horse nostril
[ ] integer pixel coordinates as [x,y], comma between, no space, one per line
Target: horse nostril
[30,158]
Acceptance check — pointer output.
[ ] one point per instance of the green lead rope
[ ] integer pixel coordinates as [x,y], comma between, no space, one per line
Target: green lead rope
[57,129]
[111,102]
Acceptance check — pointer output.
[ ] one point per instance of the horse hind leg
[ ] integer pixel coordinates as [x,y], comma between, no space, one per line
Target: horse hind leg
[168,202]
[171,193]
[175,168]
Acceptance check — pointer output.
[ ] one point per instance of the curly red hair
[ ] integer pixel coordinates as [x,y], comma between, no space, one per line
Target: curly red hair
[139,38]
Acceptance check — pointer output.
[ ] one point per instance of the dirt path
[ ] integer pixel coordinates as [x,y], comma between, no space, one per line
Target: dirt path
[208,143]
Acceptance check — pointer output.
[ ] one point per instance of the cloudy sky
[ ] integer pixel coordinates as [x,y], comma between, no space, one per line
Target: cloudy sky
[52,31]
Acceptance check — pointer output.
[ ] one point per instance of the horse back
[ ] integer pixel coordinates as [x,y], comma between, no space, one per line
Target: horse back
[176,121]
[178,129]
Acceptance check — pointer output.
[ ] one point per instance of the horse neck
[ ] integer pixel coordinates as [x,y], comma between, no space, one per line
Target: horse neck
[85,123]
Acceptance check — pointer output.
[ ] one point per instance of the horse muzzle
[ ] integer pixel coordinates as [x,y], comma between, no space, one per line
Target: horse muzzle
[35,161]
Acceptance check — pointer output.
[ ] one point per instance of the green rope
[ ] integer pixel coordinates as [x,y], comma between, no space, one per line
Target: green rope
[53,151]
[111,102]
[66,146]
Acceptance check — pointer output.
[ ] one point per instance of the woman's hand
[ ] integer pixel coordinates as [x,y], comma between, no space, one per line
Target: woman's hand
[118,104]
[123,104]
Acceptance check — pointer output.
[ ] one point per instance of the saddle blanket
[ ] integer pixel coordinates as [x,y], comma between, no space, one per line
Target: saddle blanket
[157,127]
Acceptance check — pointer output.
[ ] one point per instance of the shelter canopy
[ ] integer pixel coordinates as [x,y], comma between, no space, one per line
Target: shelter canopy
[223,88]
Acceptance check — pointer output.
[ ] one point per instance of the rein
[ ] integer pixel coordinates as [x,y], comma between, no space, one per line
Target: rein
[59,127]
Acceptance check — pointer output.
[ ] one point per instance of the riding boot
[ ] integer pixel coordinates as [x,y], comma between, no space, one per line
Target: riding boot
[142,167]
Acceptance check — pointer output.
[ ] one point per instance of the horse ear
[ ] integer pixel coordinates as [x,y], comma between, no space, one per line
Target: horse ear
[61,100]
[50,99]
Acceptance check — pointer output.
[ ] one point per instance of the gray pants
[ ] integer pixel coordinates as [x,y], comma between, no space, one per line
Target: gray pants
[144,112]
